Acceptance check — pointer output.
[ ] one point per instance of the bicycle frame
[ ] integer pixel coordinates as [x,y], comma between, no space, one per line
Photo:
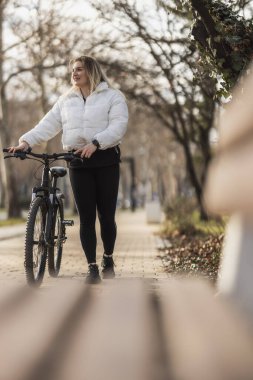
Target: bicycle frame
[48,186]
[47,190]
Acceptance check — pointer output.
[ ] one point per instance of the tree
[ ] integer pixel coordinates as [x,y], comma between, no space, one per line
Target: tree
[156,67]
[43,42]
[224,39]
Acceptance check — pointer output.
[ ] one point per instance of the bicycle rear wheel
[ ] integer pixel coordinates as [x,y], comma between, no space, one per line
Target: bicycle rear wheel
[35,244]
[57,240]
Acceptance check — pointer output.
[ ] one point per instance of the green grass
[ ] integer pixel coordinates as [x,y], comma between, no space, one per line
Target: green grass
[212,226]
[190,224]
[11,222]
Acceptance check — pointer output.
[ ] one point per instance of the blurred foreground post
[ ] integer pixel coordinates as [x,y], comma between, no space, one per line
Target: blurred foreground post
[229,190]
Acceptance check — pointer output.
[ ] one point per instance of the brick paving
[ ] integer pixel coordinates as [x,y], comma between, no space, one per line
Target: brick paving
[135,252]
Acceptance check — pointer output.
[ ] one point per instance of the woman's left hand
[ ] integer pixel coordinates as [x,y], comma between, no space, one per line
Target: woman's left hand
[87,151]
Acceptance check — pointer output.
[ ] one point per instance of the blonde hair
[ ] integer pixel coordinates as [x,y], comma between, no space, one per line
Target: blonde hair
[93,70]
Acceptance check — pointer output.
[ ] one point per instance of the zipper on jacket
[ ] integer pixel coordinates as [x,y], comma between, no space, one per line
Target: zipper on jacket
[84,99]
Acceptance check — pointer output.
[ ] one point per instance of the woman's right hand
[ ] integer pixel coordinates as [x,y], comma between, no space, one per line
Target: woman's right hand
[22,146]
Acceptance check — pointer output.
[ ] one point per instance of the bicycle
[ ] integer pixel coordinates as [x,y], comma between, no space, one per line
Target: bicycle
[46,226]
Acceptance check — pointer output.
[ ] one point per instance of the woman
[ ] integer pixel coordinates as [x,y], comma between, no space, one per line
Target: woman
[93,118]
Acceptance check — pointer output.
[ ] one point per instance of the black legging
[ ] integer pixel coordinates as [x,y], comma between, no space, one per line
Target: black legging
[96,188]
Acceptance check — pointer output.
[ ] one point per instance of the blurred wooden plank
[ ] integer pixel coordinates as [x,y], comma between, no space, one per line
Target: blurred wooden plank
[125,330]
[235,277]
[28,335]
[236,120]
[11,296]
[229,185]
[205,338]
[116,340]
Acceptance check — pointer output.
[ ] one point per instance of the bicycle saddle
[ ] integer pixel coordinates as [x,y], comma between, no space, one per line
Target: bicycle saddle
[58,171]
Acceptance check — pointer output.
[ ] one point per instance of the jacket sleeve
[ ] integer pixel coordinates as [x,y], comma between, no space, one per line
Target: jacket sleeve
[118,119]
[46,129]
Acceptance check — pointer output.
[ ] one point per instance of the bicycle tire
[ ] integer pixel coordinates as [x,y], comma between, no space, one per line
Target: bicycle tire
[36,224]
[57,239]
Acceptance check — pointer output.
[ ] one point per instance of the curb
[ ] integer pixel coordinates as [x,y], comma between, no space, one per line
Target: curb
[7,233]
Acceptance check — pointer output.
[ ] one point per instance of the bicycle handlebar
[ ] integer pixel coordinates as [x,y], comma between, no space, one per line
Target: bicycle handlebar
[23,155]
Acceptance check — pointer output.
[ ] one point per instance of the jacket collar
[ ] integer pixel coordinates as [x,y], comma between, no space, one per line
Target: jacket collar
[101,87]
[76,90]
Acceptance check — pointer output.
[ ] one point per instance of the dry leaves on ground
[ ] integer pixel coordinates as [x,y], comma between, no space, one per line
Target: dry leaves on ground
[193,256]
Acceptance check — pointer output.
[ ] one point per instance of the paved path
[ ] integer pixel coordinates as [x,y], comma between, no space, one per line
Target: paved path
[135,252]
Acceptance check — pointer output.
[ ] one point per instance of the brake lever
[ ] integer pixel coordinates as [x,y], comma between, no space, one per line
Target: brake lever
[8,157]
[72,156]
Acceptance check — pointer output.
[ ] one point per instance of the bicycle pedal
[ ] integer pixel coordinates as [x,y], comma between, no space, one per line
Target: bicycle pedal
[68,222]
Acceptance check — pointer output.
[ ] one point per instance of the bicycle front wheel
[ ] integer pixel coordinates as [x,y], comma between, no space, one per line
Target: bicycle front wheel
[57,240]
[35,243]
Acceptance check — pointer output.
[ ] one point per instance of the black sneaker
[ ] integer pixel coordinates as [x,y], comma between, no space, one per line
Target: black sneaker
[93,276]
[108,267]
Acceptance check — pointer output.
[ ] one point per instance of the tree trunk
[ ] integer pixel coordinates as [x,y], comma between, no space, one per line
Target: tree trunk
[10,181]
[44,106]
[11,195]
[190,169]
[222,50]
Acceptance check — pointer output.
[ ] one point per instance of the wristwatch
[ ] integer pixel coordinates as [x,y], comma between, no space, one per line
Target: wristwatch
[96,143]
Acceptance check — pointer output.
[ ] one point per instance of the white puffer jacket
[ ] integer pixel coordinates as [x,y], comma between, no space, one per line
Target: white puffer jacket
[103,117]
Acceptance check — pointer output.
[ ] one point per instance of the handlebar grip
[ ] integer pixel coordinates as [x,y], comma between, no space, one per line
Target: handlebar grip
[5,150]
